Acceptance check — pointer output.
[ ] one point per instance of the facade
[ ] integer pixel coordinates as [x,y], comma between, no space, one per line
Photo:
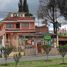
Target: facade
[20,32]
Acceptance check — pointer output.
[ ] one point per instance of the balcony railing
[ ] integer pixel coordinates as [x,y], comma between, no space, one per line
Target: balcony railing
[19,30]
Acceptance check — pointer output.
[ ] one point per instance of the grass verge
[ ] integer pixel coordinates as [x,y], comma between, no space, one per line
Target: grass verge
[41,63]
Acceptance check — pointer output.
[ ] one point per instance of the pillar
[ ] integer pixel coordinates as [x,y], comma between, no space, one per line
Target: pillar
[36,48]
[3,40]
[57,41]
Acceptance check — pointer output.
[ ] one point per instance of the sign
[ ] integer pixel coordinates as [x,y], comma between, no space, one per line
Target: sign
[47,37]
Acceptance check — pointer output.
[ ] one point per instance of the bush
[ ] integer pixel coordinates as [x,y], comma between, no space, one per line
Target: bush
[6,51]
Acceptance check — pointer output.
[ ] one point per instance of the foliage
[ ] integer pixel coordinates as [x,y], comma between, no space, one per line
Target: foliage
[28,14]
[57,4]
[62,50]
[25,7]
[62,34]
[50,12]
[62,5]
[20,6]
[7,50]
[47,49]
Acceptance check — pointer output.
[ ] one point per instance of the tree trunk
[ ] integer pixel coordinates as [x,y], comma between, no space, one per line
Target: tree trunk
[63,59]
[16,64]
[47,57]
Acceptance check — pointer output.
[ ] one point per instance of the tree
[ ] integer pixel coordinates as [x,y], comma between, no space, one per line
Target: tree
[47,49]
[16,58]
[7,50]
[62,5]
[62,50]
[49,10]
[20,6]
[25,7]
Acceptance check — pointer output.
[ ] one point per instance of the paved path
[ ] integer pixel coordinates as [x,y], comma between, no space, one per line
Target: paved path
[29,58]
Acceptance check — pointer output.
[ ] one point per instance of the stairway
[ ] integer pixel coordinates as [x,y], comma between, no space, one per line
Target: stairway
[54,51]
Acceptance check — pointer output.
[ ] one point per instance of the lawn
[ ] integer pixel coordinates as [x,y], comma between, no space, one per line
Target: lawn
[41,63]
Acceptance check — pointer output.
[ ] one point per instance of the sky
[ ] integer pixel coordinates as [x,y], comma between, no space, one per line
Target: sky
[12,6]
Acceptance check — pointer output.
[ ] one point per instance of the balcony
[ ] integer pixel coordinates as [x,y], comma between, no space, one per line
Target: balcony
[19,30]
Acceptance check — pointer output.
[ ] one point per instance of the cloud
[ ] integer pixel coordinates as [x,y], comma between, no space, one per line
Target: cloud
[9,5]
[33,5]
[5,4]
[12,6]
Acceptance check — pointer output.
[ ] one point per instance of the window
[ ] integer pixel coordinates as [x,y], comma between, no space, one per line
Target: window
[7,36]
[10,25]
[25,24]
[17,25]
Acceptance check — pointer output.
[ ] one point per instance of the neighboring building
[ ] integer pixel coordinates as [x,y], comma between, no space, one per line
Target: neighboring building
[19,30]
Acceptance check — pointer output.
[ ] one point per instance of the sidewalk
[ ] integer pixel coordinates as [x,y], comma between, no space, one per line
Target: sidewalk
[31,58]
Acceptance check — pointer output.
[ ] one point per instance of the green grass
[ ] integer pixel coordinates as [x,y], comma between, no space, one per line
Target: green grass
[41,63]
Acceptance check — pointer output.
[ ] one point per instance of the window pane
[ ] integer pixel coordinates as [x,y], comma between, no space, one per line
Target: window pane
[9,25]
[25,24]
[17,25]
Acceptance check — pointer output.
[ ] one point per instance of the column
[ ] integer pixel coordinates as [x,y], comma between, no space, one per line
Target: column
[36,48]
[17,40]
[20,25]
[3,40]
[57,41]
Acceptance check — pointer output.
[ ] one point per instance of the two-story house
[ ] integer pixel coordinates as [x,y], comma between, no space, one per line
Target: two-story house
[19,30]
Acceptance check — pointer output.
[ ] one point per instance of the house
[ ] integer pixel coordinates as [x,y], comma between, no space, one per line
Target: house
[19,30]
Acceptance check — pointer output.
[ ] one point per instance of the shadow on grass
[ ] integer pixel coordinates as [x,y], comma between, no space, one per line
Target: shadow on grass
[48,60]
[4,64]
[63,64]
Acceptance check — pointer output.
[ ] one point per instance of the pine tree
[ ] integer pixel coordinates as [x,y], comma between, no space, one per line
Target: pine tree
[20,6]
[25,7]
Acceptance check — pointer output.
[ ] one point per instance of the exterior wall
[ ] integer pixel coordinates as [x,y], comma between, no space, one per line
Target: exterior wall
[62,38]
[31,27]
[15,33]
[42,29]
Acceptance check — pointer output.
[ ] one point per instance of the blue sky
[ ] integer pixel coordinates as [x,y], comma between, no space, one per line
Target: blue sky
[12,5]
